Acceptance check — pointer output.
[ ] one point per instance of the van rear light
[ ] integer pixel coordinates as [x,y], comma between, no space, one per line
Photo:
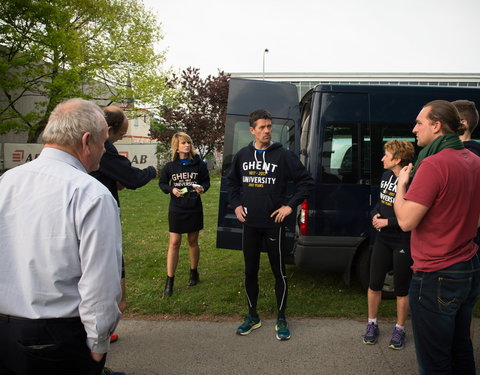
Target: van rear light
[303,222]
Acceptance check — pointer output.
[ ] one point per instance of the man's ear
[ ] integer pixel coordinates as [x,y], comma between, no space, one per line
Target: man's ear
[437,126]
[86,141]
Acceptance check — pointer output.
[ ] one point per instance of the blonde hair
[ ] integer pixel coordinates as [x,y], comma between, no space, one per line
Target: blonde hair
[402,150]
[176,139]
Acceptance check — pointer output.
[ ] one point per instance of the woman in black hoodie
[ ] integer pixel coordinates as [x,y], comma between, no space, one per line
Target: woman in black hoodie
[185,178]
[391,248]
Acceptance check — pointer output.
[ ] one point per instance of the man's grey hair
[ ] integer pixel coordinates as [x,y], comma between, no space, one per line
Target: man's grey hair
[70,120]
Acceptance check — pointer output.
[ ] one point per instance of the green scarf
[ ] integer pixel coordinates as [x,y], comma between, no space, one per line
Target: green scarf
[444,141]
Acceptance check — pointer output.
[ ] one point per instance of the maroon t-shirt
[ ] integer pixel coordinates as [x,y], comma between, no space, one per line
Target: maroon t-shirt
[447,183]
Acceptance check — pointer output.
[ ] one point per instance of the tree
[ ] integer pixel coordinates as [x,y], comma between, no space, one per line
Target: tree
[51,50]
[199,110]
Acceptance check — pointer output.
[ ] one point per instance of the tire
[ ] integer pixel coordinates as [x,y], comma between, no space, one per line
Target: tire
[362,271]
[388,291]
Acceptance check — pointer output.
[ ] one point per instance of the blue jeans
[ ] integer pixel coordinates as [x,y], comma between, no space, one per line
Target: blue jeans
[441,306]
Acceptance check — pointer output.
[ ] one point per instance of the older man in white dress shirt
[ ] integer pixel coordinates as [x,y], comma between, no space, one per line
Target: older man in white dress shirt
[60,252]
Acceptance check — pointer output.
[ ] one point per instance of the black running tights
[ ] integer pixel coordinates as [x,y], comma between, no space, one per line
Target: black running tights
[272,240]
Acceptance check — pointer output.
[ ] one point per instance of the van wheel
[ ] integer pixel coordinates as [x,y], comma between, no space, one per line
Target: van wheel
[388,291]
[362,271]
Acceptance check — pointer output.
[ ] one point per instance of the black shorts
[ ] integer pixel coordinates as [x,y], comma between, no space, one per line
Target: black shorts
[180,222]
[385,256]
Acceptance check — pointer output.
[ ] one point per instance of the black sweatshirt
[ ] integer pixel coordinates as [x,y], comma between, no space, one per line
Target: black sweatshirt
[176,175]
[117,168]
[473,146]
[392,232]
[258,182]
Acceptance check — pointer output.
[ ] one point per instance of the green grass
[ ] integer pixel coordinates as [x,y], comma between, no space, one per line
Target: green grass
[220,292]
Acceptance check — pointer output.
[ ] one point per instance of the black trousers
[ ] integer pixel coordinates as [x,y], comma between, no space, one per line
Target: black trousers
[45,346]
[273,239]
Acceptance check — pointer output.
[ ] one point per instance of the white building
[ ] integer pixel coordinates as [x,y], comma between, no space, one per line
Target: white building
[138,127]
[306,81]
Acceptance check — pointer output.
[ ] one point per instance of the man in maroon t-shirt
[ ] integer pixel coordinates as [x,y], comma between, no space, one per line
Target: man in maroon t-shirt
[443,213]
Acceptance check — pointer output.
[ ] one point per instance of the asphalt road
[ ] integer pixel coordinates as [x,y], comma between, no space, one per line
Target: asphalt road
[317,346]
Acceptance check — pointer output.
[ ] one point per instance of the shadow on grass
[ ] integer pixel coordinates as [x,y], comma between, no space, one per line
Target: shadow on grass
[221,291]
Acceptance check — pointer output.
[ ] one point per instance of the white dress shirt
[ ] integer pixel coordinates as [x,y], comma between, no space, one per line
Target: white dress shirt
[60,246]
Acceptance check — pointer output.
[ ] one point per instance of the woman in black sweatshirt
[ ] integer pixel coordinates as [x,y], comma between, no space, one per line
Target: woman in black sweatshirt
[185,178]
[391,248]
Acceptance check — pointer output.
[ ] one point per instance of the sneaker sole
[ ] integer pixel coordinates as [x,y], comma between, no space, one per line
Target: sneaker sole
[280,338]
[369,342]
[255,326]
[396,347]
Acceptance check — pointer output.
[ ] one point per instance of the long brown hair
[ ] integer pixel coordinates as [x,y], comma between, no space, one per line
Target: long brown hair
[446,113]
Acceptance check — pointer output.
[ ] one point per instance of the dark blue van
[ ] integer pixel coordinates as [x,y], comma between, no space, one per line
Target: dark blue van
[338,131]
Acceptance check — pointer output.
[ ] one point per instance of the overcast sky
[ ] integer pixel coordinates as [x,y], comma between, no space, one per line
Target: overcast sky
[424,36]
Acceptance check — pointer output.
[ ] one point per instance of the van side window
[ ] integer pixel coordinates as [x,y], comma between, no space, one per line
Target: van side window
[345,147]
[237,136]
[381,134]
[305,130]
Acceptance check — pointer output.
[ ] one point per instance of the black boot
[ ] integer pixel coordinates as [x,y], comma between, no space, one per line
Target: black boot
[194,278]
[169,286]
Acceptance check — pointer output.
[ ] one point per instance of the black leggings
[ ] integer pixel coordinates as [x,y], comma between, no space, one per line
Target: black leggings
[386,255]
[273,240]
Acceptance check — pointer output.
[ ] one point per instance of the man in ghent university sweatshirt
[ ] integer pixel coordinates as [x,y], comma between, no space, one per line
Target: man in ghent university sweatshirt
[257,185]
